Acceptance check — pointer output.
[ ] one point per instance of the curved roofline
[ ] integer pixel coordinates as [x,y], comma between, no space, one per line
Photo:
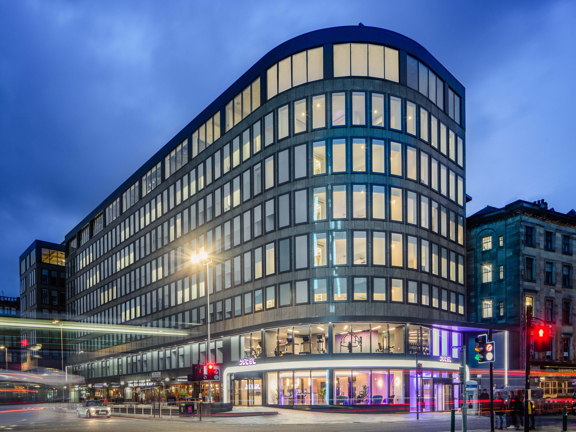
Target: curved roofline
[315,38]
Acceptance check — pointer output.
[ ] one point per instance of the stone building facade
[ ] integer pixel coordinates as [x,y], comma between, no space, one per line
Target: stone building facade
[519,255]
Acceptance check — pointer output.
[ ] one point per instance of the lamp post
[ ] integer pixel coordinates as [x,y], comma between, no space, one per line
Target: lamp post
[5,348]
[206,261]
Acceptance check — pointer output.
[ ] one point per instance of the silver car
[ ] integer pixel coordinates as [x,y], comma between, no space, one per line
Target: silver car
[93,409]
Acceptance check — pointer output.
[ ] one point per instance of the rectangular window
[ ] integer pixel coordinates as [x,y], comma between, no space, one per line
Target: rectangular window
[302,292]
[378,248]
[566,245]
[549,241]
[412,292]
[486,243]
[283,122]
[411,118]
[338,109]
[269,129]
[340,289]
[529,270]
[270,217]
[379,289]
[318,112]
[338,155]
[567,276]
[396,158]
[396,250]
[320,289]
[395,113]
[423,124]
[270,259]
[425,255]
[359,201]
[412,256]
[300,161]
[411,207]
[301,251]
[377,110]
[378,202]
[340,248]
[319,204]
[301,206]
[529,236]
[378,157]
[284,295]
[358,155]
[359,244]
[300,117]
[396,204]
[358,109]
[360,289]
[486,273]
[339,202]
[319,249]
[269,172]
[397,290]
[411,165]
[549,273]
[319,158]
[487,309]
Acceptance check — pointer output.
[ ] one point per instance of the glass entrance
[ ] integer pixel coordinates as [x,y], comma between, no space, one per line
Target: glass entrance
[248,392]
[444,397]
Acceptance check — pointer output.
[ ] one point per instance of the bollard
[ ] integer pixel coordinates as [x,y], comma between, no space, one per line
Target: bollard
[452,420]
[200,410]
[564,419]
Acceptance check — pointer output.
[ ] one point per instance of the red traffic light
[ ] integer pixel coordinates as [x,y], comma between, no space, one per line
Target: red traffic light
[541,338]
[24,343]
[210,366]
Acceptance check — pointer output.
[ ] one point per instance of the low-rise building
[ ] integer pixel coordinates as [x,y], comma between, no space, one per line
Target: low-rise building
[520,255]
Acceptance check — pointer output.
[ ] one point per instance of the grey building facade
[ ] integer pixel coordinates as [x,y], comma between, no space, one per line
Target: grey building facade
[519,255]
[328,187]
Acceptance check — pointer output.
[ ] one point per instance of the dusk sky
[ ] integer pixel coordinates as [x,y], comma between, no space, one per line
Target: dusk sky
[90,90]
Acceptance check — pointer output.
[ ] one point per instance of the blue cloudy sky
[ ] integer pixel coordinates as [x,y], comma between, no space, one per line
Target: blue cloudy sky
[89,90]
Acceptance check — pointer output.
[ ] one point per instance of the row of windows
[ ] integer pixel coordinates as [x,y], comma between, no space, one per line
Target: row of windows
[320,249]
[28,261]
[360,59]
[549,240]
[301,68]
[326,157]
[283,211]
[436,133]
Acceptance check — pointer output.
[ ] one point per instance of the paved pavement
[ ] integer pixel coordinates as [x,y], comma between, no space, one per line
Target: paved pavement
[46,418]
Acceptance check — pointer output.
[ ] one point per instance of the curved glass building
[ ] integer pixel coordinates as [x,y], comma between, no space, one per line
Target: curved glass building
[327,186]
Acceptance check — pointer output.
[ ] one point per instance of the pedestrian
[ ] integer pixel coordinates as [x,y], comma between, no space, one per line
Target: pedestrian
[519,411]
[510,417]
[484,401]
[499,409]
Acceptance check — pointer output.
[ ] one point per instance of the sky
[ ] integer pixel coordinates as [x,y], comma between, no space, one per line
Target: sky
[90,90]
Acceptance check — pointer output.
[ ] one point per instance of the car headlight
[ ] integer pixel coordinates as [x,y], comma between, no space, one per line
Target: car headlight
[108,409]
[91,409]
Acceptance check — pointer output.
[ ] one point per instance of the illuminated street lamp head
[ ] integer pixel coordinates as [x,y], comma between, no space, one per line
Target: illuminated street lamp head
[201,256]
[2,347]
[55,322]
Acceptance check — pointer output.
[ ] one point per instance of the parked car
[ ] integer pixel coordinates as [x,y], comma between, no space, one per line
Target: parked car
[93,409]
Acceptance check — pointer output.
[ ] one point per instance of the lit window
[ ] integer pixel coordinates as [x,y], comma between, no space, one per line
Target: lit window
[486,273]
[319,158]
[486,308]
[318,112]
[486,243]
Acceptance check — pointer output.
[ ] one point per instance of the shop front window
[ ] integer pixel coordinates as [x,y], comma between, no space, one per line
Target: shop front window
[286,388]
[302,391]
[342,387]
[379,387]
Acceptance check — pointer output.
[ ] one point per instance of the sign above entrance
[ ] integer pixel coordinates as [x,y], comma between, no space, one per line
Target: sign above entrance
[156,377]
[446,359]
[247,361]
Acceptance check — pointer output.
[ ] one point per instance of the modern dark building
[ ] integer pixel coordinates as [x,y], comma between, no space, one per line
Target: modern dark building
[43,296]
[327,186]
[519,255]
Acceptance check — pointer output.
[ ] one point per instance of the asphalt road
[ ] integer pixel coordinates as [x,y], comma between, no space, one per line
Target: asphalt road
[47,418]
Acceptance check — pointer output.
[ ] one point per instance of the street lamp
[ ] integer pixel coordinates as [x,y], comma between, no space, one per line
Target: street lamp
[5,348]
[202,257]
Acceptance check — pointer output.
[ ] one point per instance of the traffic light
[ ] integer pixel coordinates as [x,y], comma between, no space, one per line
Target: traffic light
[485,352]
[541,338]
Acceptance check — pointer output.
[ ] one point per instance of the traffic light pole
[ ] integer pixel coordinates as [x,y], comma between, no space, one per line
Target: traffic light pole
[464,405]
[527,373]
